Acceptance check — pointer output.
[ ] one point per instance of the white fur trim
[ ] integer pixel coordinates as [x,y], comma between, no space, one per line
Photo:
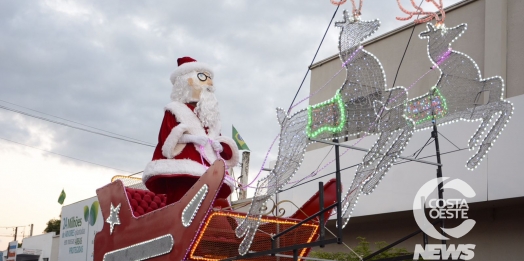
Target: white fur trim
[189,67]
[170,148]
[186,116]
[182,166]
[235,153]
[194,126]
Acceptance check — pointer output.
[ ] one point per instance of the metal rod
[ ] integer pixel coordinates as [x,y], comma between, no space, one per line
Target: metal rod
[424,235]
[434,134]
[303,221]
[321,207]
[244,172]
[394,244]
[295,254]
[397,258]
[305,258]
[276,241]
[339,192]
[283,249]
[362,149]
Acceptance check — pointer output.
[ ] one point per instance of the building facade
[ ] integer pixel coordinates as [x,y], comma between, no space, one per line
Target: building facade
[493,39]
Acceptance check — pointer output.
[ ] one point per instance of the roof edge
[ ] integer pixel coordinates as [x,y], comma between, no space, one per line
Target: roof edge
[388,34]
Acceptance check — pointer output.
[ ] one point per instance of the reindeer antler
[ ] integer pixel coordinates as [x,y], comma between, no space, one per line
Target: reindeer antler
[356,11]
[341,2]
[420,11]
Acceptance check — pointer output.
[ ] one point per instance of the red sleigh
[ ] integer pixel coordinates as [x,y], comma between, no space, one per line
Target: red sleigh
[144,228]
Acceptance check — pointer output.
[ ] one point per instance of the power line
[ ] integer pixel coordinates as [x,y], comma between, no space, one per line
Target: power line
[66,156]
[70,120]
[74,127]
[14,226]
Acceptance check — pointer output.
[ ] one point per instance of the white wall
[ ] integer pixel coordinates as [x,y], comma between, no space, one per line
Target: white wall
[499,176]
[42,242]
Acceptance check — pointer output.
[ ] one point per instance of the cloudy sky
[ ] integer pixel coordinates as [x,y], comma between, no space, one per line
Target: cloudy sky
[105,66]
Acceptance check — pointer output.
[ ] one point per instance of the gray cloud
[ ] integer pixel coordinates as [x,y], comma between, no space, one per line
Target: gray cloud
[107,64]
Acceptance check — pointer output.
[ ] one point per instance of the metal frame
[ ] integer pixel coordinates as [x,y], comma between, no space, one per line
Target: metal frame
[362,149]
[321,242]
[434,135]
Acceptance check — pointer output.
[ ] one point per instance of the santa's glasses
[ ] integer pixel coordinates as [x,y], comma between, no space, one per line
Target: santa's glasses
[203,77]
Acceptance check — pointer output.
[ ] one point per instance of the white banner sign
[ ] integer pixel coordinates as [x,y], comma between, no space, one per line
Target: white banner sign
[80,222]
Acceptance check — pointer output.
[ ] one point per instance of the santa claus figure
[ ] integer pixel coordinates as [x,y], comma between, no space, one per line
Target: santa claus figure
[189,140]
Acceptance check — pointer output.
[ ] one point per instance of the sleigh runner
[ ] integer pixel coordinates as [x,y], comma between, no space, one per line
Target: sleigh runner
[140,226]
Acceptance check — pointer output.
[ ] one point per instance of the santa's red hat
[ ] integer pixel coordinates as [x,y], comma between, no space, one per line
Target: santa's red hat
[186,65]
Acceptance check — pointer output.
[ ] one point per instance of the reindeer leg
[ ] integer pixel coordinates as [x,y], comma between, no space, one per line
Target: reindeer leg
[505,112]
[364,170]
[475,139]
[398,141]
[373,153]
[375,156]
[372,165]
[293,142]
[349,200]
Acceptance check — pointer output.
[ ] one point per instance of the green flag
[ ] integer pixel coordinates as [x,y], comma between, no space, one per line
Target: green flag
[62,197]
[241,144]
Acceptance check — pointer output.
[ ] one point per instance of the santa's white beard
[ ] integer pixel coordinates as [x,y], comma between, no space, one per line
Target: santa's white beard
[207,108]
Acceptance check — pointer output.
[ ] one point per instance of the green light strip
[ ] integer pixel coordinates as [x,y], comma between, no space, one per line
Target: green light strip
[337,99]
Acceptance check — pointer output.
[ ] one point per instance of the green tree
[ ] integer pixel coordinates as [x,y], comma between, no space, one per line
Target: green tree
[53,225]
[363,249]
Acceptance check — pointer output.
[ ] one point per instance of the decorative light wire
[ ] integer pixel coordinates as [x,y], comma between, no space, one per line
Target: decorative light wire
[409,40]
[293,106]
[314,173]
[249,185]
[420,11]
[292,103]
[262,167]
[330,79]
[339,3]
[356,11]
[364,94]
[315,56]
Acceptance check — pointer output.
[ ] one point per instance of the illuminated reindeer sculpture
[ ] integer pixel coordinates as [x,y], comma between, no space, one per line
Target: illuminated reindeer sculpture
[364,105]
[460,92]
[361,106]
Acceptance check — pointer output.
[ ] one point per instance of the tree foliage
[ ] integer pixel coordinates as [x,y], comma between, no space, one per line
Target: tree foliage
[363,249]
[53,225]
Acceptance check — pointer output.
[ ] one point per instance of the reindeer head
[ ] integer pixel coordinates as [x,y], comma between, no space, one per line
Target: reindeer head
[353,31]
[440,38]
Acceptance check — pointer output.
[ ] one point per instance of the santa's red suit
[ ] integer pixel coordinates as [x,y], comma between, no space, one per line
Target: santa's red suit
[175,166]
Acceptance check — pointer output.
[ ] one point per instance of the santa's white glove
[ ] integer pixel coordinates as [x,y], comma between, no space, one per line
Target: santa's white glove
[217,146]
[190,138]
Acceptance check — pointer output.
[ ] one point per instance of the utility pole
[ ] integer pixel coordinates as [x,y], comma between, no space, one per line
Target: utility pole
[31,233]
[244,174]
[16,232]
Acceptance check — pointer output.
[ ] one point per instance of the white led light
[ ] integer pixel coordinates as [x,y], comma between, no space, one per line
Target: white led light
[364,105]
[462,85]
